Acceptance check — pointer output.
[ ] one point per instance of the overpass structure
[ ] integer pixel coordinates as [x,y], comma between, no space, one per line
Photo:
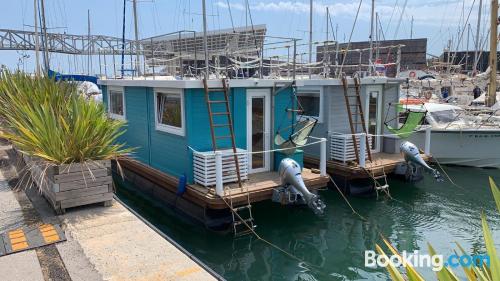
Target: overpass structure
[19,40]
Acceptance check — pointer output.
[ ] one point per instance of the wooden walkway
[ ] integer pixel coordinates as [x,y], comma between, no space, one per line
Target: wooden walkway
[381,163]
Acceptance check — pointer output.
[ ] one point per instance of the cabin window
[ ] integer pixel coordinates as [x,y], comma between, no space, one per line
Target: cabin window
[116,104]
[311,103]
[169,106]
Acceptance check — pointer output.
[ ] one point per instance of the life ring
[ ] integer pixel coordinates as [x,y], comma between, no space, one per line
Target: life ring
[413,74]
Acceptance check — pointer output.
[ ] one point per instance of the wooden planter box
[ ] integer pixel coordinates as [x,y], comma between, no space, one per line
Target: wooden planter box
[71,185]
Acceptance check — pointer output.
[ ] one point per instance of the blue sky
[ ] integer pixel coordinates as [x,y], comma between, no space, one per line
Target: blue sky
[439,21]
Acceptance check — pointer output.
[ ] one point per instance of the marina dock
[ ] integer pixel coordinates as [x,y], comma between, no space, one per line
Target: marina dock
[103,243]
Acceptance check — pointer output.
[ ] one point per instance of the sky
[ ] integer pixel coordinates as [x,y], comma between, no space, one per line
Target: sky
[437,20]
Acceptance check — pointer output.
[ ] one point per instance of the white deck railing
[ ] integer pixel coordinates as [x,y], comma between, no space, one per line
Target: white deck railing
[342,146]
[217,168]
[205,166]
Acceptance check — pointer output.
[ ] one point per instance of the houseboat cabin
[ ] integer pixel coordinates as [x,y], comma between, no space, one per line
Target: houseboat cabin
[345,108]
[169,124]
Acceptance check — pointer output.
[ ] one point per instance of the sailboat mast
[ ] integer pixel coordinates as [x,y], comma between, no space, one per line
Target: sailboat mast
[370,59]
[123,39]
[411,28]
[205,39]
[492,89]
[137,45]
[89,59]
[310,34]
[467,49]
[37,40]
[478,30]
[45,44]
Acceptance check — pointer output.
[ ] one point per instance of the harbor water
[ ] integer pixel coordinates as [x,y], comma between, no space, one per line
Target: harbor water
[332,246]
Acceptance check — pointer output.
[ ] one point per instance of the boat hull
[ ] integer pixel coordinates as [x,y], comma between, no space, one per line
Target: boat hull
[474,148]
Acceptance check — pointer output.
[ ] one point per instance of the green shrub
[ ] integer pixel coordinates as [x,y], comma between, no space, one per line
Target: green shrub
[51,120]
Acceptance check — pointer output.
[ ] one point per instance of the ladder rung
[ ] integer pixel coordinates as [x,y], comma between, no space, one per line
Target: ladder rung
[243,208]
[223,137]
[385,186]
[221,125]
[212,90]
[241,222]
[217,101]
[243,232]
[220,113]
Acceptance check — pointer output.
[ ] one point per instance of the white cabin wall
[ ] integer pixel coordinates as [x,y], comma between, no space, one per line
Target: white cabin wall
[335,117]
[321,128]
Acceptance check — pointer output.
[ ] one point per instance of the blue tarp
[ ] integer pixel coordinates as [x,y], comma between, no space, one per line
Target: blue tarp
[72,77]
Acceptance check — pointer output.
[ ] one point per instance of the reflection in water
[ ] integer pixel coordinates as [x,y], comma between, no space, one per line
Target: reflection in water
[332,246]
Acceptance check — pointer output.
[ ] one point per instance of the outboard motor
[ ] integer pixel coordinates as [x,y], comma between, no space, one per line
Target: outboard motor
[290,175]
[412,156]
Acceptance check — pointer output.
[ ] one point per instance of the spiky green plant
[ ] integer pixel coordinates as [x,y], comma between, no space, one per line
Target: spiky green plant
[481,272]
[50,120]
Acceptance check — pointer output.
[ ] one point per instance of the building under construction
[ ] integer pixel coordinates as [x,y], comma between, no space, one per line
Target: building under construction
[354,56]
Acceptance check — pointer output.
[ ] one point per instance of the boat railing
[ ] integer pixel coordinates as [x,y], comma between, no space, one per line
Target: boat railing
[238,55]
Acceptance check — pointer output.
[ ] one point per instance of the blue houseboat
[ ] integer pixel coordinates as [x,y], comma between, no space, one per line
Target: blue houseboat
[169,124]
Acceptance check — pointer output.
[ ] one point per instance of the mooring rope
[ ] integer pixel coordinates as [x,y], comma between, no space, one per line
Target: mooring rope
[447,176]
[252,230]
[347,201]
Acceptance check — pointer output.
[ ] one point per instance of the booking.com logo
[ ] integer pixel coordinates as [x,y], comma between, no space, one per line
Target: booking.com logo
[415,259]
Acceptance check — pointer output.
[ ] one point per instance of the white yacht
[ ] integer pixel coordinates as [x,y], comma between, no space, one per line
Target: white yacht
[458,138]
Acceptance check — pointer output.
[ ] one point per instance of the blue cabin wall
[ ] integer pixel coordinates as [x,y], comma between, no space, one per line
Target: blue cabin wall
[198,123]
[170,153]
[160,150]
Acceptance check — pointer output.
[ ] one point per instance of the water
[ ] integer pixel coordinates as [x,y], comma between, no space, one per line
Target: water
[331,247]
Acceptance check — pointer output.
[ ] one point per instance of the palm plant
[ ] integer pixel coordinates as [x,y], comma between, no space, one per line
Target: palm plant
[475,272]
[50,120]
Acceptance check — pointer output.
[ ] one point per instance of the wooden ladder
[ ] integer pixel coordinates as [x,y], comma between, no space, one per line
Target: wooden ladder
[228,122]
[380,182]
[358,111]
[240,219]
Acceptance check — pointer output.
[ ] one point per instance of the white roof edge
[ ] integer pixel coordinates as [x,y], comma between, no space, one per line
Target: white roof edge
[248,83]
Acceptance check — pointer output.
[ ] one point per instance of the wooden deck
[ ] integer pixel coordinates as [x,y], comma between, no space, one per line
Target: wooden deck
[381,163]
[259,185]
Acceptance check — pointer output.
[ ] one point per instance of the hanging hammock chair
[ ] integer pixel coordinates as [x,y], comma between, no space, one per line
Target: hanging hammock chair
[298,138]
[298,132]
[413,119]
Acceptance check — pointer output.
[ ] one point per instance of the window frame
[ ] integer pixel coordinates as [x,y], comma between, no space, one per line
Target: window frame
[181,131]
[114,115]
[317,92]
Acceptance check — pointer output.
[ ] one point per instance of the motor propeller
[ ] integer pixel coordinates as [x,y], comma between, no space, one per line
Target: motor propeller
[412,156]
[290,175]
